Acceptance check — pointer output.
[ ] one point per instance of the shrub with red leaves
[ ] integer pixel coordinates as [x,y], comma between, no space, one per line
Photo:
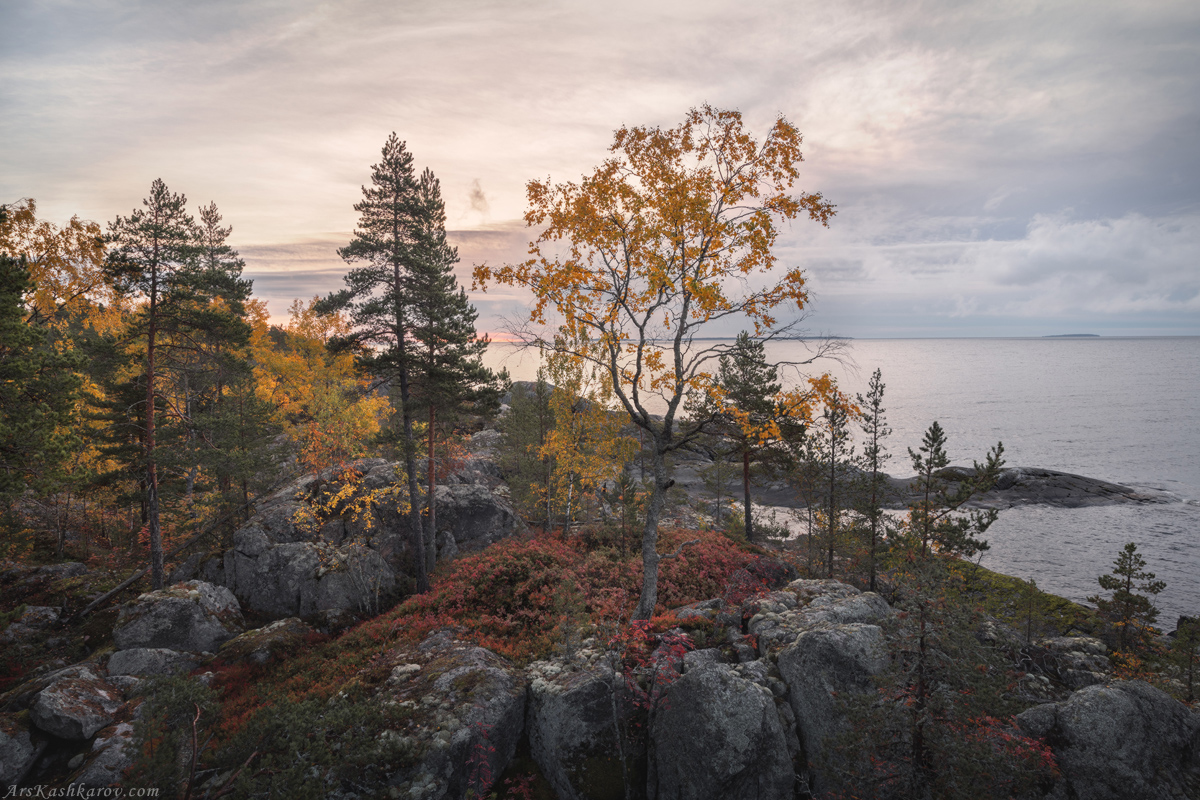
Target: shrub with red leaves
[508,597]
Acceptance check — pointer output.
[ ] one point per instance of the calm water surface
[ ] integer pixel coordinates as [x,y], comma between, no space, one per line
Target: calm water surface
[1119,409]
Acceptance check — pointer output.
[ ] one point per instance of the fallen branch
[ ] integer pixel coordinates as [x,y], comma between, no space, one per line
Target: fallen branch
[125,584]
[228,787]
[679,550]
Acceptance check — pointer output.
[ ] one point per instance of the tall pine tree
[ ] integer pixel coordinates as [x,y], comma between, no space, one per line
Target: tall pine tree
[414,329]
[37,390]
[750,385]
[873,482]
[449,378]
[192,292]
[150,250]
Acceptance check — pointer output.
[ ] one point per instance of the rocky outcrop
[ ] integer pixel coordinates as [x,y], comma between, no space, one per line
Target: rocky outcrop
[32,620]
[822,665]
[473,515]
[300,579]
[1021,486]
[783,615]
[147,661]
[718,736]
[1124,741]
[195,617]
[338,541]
[1077,661]
[17,751]
[111,754]
[76,704]
[466,714]
[572,720]
[1017,486]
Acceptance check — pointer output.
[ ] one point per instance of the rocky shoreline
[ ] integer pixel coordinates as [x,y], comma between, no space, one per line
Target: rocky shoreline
[743,700]
[747,709]
[1018,486]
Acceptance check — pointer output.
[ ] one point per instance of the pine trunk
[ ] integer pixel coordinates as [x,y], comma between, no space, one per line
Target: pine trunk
[746,494]
[156,545]
[410,460]
[432,500]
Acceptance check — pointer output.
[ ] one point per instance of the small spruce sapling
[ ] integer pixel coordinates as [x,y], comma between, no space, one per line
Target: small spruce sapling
[1130,611]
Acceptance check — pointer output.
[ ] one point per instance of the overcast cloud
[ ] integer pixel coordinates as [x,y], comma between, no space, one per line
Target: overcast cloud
[1000,168]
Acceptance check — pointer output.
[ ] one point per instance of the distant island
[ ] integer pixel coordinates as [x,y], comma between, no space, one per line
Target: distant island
[1072,336]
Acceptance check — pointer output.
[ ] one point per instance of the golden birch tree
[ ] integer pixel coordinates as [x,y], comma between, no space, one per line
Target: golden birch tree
[637,261]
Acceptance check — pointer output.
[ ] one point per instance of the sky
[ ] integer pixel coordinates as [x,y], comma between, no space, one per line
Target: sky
[1000,168]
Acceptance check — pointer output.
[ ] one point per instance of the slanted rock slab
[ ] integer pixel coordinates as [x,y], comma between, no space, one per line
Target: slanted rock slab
[572,728]
[111,754]
[262,645]
[195,617]
[821,665]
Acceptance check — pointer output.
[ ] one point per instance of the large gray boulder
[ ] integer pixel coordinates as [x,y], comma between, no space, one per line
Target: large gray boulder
[573,731]
[465,715]
[474,516]
[195,617]
[17,751]
[299,579]
[822,665]
[76,704]
[718,736]
[803,605]
[1123,741]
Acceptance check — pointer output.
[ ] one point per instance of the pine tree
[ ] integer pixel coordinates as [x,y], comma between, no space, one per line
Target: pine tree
[192,322]
[1129,610]
[750,385]
[873,486]
[150,252]
[205,353]
[831,451]
[381,307]
[449,378]
[37,391]
[413,327]
[933,517]
[936,535]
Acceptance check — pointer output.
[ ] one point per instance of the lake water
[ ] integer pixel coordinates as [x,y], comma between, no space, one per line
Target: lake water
[1125,410]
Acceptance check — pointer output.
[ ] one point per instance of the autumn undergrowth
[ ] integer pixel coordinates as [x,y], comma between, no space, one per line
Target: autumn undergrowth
[518,598]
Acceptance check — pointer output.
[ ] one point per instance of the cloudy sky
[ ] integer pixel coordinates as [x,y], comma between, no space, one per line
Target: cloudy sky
[1000,168]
